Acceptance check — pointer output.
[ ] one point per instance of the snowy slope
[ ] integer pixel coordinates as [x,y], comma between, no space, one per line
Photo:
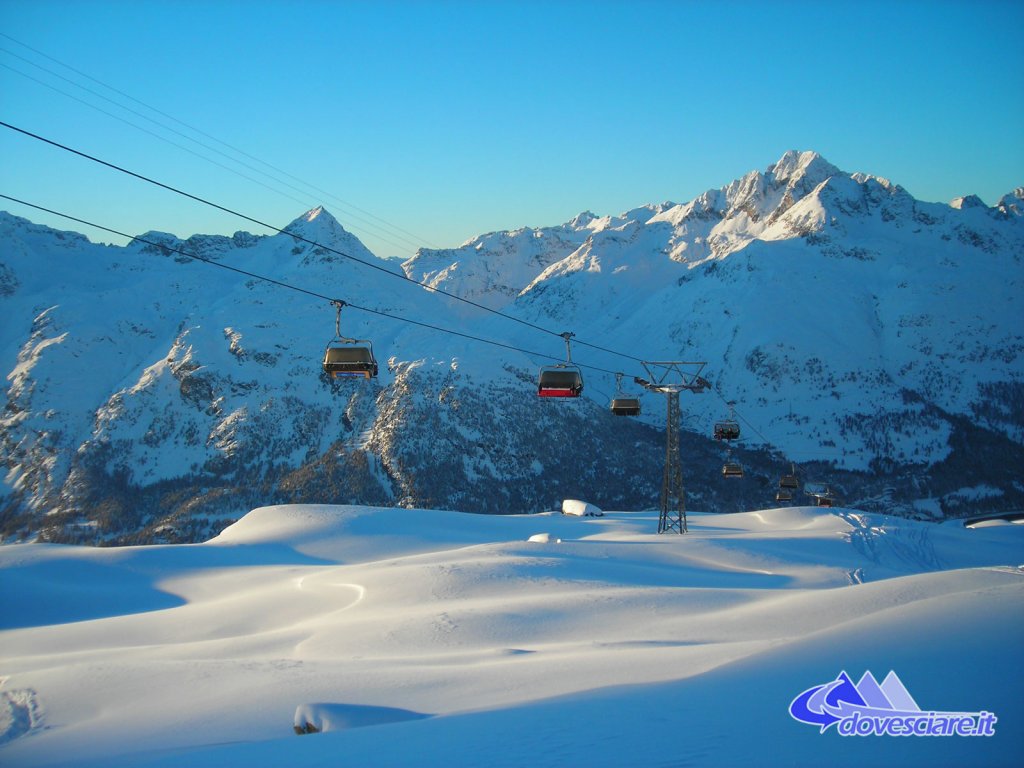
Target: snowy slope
[494,268]
[146,367]
[439,638]
[869,337]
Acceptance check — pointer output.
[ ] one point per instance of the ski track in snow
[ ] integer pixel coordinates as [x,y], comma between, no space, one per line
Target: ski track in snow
[21,712]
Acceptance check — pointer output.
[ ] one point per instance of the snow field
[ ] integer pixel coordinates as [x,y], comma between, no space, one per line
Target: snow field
[417,637]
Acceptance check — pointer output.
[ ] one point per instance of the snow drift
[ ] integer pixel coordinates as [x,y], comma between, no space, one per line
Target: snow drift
[361,621]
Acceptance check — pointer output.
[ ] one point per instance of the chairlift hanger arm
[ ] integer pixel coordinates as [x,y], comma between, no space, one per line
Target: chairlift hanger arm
[568,350]
[339,304]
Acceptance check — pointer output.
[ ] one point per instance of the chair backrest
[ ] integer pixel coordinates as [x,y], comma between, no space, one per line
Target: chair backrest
[628,406]
[560,378]
[727,430]
[348,354]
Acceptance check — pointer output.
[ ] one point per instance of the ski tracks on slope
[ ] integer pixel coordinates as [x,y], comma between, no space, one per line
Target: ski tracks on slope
[21,712]
[893,546]
[346,594]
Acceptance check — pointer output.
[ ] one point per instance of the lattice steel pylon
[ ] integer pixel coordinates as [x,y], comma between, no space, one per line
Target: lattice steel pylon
[673,498]
[671,378]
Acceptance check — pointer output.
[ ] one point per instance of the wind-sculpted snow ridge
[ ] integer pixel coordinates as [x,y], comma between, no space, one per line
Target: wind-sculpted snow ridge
[870,338]
[412,636]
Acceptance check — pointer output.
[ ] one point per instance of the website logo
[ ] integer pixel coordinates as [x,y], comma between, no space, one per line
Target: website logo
[887,709]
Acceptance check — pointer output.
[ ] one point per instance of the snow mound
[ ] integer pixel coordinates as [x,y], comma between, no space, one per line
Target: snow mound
[348,534]
[321,718]
[580,508]
[543,538]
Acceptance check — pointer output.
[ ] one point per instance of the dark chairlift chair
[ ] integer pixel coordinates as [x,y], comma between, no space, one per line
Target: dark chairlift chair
[790,481]
[348,358]
[623,405]
[732,469]
[626,406]
[727,430]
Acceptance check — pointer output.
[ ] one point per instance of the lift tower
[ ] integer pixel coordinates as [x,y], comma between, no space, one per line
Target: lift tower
[671,378]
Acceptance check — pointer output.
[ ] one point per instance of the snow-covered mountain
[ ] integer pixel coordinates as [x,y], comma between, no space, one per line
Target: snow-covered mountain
[873,339]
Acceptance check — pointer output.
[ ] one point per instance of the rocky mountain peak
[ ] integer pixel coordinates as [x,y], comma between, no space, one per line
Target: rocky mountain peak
[581,220]
[794,167]
[316,224]
[1013,203]
[968,201]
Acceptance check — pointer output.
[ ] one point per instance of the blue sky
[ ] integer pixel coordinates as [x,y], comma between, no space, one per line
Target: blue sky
[451,119]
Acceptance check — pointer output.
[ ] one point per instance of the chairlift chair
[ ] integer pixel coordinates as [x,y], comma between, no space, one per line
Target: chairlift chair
[789,481]
[727,430]
[348,358]
[623,405]
[823,498]
[732,469]
[783,495]
[562,379]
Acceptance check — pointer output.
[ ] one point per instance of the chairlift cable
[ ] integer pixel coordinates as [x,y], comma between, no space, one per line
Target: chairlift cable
[240,174]
[154,134]
[403,234]
[196,198]
[299,289]
[300,238]
[335,300]
[195,256]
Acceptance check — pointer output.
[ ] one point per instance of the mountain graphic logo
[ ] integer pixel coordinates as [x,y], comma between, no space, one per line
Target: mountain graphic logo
[881,709]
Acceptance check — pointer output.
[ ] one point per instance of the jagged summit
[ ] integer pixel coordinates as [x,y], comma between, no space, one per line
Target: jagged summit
[581,220]
[1012,204]
[794,165]
[315,221]
[967,201]
[155,235]
[319,226]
